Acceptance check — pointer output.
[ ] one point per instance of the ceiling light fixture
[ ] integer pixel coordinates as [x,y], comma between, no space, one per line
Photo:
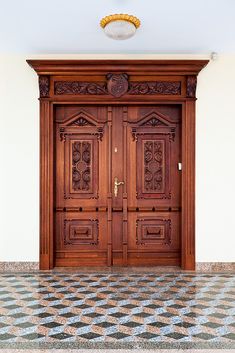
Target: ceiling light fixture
[120,26]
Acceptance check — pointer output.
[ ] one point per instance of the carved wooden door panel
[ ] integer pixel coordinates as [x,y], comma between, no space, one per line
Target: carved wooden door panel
[153,185]
[117,190]
[81,186]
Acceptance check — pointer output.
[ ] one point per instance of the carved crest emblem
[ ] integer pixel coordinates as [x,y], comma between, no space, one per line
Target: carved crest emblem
[117,84]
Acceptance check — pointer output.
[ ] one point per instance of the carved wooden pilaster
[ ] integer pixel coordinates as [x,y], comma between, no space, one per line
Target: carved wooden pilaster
[191,86]
[188,187]
[44,86]
[46,186]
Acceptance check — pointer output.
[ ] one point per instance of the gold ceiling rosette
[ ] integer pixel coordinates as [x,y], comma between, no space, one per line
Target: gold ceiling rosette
[120,26]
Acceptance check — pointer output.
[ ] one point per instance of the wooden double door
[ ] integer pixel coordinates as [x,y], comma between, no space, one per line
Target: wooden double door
[118,185]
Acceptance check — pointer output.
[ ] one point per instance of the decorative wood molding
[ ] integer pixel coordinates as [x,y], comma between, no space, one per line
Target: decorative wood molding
[99,133]
[81,231]
[77,87]
[117,86]
[191,86]
[93,67]
[44,86]
[135,134]
[150,231]
[156,87]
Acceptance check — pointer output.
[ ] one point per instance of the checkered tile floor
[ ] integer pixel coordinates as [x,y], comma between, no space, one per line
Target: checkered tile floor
[68,307]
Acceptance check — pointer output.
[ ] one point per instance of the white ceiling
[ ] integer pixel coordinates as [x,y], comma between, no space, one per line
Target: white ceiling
[72,26]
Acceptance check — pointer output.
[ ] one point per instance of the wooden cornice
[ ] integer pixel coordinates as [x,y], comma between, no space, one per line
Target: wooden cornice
[137,67]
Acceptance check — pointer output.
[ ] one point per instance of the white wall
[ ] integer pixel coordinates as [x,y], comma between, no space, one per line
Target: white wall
[215,161]
[19,160]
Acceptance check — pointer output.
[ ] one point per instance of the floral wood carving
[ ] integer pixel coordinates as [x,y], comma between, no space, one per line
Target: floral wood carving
[117,84]
[99,133]
[81,166]
[191,86]
[153,166]
[44,86]
[77,87]
[157,87]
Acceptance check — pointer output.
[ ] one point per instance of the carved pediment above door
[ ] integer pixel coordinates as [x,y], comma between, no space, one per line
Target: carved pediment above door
[81,123]
[153,122]
[80,118]
[155,118]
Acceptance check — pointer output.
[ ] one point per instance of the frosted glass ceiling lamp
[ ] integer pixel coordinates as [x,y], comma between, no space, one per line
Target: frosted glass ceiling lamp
[120,26]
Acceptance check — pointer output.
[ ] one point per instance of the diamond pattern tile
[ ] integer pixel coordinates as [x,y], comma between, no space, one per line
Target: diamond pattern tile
[114,307]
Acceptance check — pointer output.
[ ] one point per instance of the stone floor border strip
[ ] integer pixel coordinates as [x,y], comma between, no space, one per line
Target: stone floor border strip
[202,267]
[116,351]
[118,345]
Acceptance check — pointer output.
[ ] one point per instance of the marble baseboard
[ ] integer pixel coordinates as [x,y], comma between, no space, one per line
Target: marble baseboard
[200,267]
[19,266]
[215,266]
[119,351]
[110,347]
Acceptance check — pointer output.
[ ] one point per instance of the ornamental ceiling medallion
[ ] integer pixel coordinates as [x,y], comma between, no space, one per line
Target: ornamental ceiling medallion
[120,26]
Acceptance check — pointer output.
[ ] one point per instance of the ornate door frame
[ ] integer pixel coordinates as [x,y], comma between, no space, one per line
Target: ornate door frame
[112,82]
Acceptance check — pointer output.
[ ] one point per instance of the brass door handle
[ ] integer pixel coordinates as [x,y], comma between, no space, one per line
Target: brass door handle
[116,185]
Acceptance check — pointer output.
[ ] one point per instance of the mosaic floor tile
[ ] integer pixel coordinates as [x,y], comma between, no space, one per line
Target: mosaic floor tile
[78,324]
[90,335]
[205,336]
[117,310]
[147,335]
[176,335]
[118,335]
[61,336]
[6,336]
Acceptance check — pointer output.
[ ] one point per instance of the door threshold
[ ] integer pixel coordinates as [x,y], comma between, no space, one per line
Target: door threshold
[121,269]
